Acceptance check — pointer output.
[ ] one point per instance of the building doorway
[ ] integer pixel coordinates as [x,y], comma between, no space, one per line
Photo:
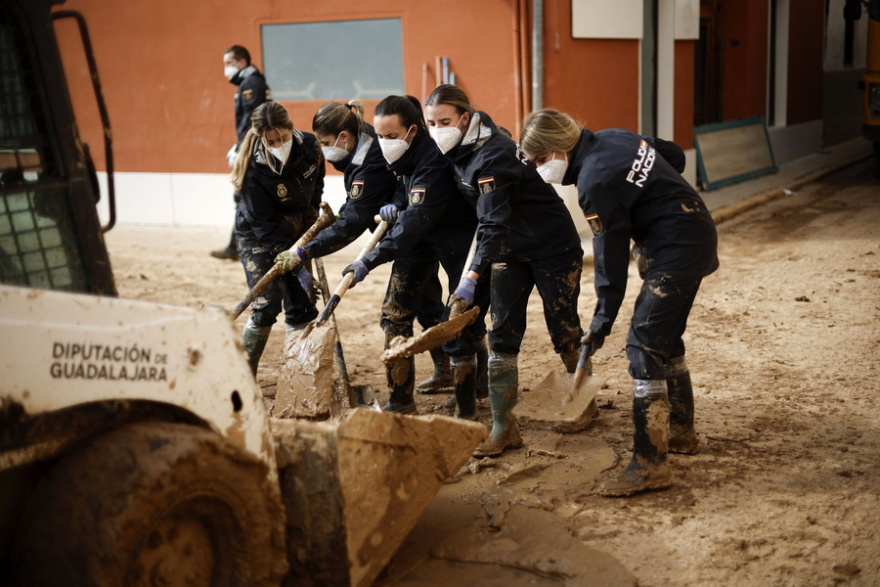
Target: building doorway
[708,64]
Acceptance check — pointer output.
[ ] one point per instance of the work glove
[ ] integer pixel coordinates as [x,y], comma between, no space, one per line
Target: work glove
[291,258]
[359,271]
[389,213]
[464,291]
[306,281]
[231,155]
[593,342]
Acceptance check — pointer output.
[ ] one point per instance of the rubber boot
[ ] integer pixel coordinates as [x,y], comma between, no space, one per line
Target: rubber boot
[682,437]
[253,339]
[441,378]
[400,376]
[648,468]
[482,383]
[570,360]
[502,398]
[464,374]
[230,252]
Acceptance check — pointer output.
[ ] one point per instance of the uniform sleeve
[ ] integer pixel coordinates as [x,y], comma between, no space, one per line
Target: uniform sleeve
[264,217]
[253,91]
[611,236]
[371,187]
[669,151]
[496,180]
[427,200]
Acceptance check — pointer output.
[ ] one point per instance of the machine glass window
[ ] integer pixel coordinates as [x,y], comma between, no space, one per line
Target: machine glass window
[338,60]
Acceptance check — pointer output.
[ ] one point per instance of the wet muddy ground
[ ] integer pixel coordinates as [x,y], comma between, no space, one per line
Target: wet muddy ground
[783,350]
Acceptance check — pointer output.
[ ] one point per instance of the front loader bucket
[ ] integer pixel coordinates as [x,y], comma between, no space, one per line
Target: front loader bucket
[354,489]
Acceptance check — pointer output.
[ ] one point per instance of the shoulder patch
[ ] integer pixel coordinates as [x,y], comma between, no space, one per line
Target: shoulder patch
[595,224]
[357,189]
[247,95]
[487,184]
[416,196]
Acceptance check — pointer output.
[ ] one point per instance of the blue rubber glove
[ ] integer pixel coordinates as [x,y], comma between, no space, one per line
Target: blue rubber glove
[306,281]
[291,258]
[389,213]
[359,271]
[593,342]
[465,291]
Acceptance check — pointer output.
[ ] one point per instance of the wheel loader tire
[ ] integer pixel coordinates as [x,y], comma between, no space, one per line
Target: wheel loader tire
[153,504]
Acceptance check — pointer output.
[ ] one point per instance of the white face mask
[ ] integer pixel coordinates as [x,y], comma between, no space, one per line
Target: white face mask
[334,154]
[229,71]
[283,152]
[554,170]
[393,149]
[447,137]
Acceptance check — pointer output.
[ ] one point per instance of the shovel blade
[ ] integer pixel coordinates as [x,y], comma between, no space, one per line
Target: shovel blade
[305,382]
[562,401]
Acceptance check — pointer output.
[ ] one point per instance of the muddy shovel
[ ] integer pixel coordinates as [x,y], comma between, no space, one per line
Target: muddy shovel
[565,401]
[324,220]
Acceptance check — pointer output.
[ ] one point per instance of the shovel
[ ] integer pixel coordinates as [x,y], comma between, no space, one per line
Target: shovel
[324,220]
[337,349]
[565,401]
[431,338]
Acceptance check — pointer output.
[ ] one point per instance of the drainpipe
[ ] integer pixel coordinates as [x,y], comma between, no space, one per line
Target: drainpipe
[537,54]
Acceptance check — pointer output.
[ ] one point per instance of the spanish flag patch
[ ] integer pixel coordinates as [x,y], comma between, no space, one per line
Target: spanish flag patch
[487,184]
[357,188]
[416,196]
[595,224]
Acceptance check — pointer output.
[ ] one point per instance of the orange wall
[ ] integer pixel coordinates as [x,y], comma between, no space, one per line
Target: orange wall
[596,81]
[745,64]
[171,108]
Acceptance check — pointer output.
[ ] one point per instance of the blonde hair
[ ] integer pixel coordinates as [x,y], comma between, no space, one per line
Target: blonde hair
[334,117]
[267,116]
[549,131]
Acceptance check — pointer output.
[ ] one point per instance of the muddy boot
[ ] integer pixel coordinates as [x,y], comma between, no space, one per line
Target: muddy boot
[502,398]
[682,437]
[401,377]
[570,360]
[464,373]
[229,253]
[441,378]
[648,468]
[253,339]
[482,383]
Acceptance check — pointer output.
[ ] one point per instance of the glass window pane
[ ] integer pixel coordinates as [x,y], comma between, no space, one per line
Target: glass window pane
[338,60]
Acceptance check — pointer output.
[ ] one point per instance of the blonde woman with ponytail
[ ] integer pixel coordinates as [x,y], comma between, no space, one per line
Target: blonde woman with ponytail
[280,171]
[630,188]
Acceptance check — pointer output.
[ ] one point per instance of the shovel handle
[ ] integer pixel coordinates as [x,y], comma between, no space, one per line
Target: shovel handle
[324,220]
[584,368]
[349,277]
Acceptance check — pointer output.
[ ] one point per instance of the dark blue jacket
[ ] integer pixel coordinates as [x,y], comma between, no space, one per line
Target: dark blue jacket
[369,185]
[435,210]
[268,198]
[252,91]
[630,188]
[521,217]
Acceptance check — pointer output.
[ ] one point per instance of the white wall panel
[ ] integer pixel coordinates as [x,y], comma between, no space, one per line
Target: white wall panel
[606,19]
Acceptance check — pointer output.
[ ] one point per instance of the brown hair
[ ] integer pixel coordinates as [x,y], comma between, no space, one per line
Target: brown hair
[451,95]
[267,116]
[334,117]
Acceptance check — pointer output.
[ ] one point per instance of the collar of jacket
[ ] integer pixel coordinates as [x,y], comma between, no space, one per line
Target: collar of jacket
[578,154]
[243,74]
[479,130]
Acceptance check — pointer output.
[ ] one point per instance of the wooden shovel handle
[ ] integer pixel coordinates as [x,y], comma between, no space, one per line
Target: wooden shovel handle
[324,220]
[349,277]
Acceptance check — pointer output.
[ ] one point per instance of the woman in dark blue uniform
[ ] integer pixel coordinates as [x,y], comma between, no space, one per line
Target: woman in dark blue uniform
[280,171]
[349,144]
[527,236]
[630,188]
[434,224]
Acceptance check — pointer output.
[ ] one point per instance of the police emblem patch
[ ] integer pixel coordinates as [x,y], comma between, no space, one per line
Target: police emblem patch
[487,184]
[416,196]
[248,95]
[281,190]
[595,224]
[357,188]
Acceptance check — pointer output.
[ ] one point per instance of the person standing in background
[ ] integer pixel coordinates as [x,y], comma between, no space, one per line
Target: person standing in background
[252,91]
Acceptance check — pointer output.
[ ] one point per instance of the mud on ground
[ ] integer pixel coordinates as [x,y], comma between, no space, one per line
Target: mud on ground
[782,346]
